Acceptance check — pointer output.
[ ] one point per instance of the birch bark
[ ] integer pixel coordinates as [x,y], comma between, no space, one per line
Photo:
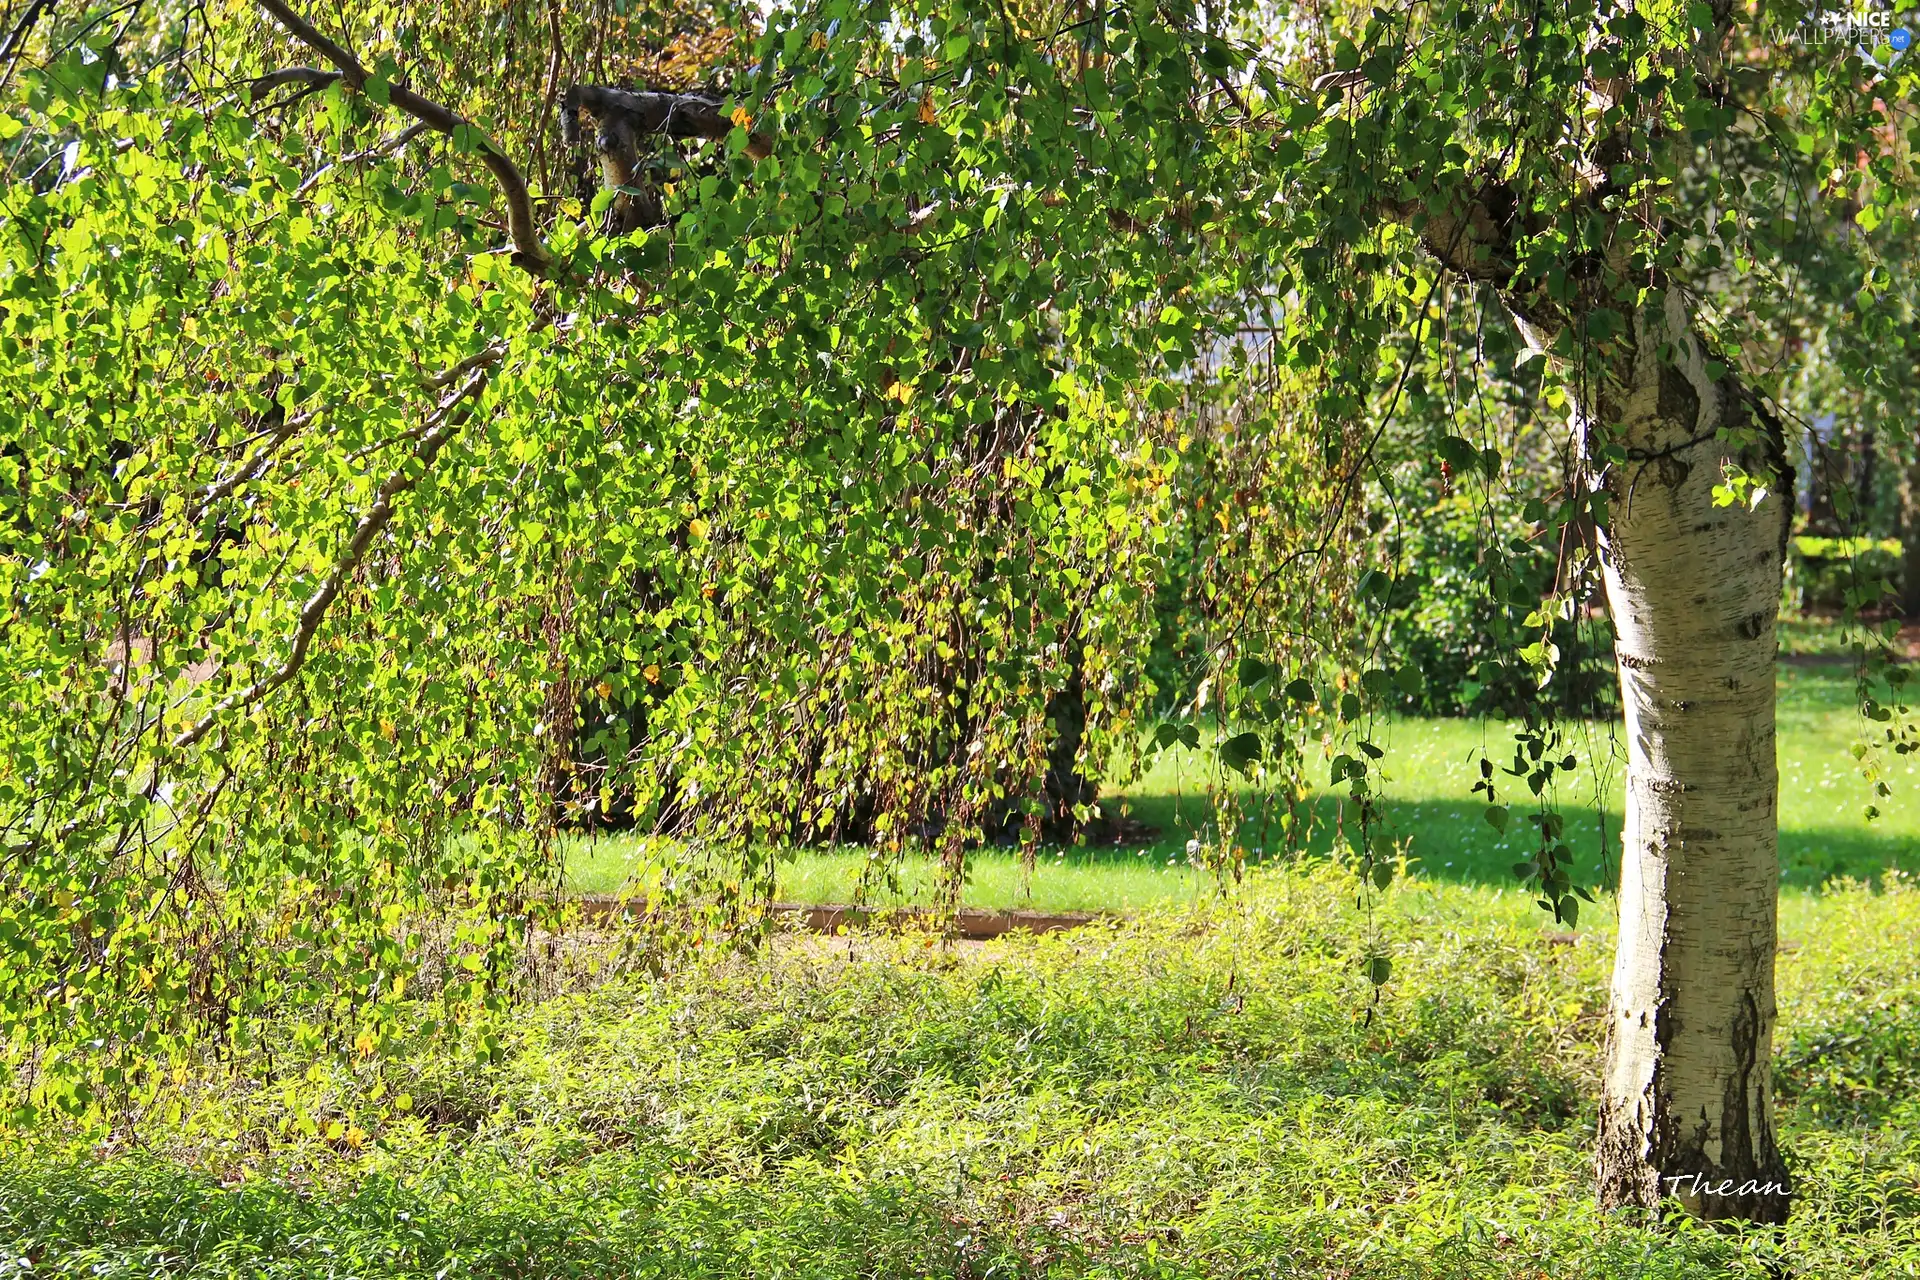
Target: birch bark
[1694,588]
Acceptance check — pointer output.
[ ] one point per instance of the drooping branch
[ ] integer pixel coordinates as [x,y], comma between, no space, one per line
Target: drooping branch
[384,147]
[447,418]
[530,250]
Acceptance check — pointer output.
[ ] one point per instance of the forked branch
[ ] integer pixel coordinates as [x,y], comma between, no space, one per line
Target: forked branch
[674,115]
[447,418]
[530,250]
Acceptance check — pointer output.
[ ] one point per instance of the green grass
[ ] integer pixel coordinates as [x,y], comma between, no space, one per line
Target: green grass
[1062,879]
[1208,1088]
[1191,1093]
[1431,768]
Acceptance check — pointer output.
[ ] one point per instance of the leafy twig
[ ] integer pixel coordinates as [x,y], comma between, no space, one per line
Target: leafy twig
[452,412]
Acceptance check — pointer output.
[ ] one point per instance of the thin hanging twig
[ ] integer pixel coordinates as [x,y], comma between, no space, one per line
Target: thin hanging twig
[448,417]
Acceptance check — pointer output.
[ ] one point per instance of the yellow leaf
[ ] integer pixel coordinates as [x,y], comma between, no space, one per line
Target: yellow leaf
[741,117]
[817,41]
[652,673]
[927,114]
[697,527]
[604,689]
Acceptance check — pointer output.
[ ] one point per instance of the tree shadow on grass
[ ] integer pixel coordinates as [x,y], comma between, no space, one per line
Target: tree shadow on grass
[1451,840]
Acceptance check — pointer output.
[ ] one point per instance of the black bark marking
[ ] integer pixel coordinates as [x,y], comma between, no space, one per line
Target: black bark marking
[1678,401]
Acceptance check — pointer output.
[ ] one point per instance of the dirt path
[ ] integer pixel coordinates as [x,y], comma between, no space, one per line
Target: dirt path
[970,923]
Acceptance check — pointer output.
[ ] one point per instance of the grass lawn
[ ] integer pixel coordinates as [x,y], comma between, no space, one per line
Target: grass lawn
[1431,766]
[1210,1092]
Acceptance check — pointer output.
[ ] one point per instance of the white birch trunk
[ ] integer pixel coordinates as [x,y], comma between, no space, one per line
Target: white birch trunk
[1686,1108]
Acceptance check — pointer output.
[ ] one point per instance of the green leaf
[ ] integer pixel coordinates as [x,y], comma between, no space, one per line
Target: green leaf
[1457,453]
[1241,752]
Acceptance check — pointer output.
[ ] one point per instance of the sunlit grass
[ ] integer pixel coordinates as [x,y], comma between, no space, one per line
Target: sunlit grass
[1430,768]
[1182,1096]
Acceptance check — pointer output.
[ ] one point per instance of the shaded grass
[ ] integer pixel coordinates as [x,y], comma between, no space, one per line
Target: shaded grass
[1431,766]
[1194,1093]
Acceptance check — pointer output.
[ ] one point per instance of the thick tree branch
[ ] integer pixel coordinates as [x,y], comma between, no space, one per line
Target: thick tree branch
[451,413]
[674,115]
[17,38]
[256,463]
[480,359]
[530,251]
[311,80]
[1471,235]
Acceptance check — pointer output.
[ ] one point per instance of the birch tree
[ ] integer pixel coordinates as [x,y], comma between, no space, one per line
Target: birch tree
[880,359]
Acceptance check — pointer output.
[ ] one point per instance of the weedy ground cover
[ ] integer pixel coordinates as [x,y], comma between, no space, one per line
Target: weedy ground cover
[1211,1091]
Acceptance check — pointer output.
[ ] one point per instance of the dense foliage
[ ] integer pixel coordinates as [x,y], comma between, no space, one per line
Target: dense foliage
[1443,622]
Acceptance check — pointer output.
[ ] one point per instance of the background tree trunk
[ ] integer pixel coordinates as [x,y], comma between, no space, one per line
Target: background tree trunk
[1910,538]
[1694,588]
